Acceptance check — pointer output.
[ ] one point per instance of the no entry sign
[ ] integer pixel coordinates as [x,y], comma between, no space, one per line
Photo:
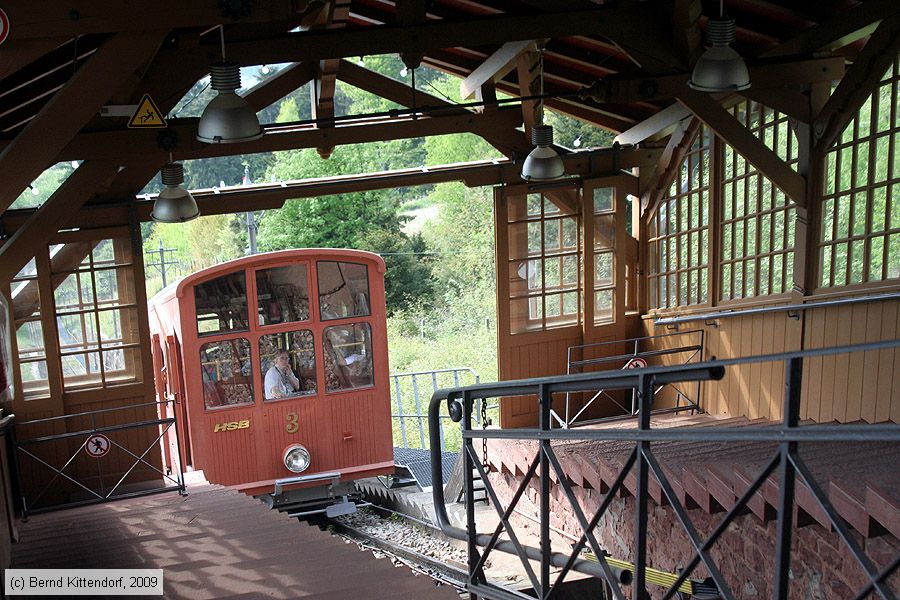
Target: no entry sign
[4,26]
[97,445]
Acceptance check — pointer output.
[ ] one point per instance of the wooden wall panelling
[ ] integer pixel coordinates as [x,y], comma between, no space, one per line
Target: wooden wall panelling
[886,364]
[840,389]
[870,382]
[856,364]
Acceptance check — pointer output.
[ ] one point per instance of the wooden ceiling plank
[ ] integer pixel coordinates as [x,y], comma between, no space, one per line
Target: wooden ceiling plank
[856,86]
[36,146]
[494,67]
[60,19]
[767,162]
[32,237]
[17,54]
[848,27]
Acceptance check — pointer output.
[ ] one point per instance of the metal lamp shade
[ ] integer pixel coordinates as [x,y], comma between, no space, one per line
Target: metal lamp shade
[720,68]
[228,118]
[174,203]
[543,163]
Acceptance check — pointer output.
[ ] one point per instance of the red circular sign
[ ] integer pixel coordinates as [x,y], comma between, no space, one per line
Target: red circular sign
[97,445]
[636,363]
[4,26]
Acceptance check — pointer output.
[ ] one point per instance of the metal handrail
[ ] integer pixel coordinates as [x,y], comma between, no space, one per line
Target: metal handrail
[786,463]
[737,312]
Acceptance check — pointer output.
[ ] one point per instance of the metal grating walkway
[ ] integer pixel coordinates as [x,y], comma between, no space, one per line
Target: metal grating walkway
[216,543]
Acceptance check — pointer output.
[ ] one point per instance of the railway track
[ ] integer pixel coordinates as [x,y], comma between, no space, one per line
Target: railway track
[444,571]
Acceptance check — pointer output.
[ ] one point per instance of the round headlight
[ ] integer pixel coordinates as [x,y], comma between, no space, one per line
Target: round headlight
[296,458]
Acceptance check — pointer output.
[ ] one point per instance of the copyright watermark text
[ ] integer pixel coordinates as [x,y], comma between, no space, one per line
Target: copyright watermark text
[83,582]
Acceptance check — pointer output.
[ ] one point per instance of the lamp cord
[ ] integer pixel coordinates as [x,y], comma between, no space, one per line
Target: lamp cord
[222,40]
[541,75]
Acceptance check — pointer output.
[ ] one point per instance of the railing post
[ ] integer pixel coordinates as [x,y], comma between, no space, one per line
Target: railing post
[546,401]
[400,414]
[468,456]
[787,478]
[420,417]
[645,400]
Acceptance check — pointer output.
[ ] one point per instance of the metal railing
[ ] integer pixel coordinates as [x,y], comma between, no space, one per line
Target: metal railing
[690,352]
[785,463]
[104,439]
[410,391]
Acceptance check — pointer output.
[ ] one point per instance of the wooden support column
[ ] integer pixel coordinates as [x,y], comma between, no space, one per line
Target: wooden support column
[323,88]
[71,108]
[667,168]
[767,162]
[878,54]
[528,68]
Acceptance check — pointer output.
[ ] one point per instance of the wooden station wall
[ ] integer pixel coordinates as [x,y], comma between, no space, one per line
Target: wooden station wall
[805,221]
[82,345]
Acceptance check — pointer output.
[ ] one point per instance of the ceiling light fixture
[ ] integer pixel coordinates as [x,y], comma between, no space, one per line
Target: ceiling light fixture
[174,203]
[720,68]
[228,118]
[542,163]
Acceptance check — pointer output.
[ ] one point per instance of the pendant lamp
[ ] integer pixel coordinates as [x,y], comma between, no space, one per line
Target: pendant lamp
[720,68]
[174,203]
[542,163]
[228,118]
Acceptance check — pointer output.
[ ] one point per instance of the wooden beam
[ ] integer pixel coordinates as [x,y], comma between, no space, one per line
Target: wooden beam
[494,67]
[36,147]
[648,128]
[687,37]
[271,90]
[665,171]
[59,208]
[31,19]
[768,77]
[528,69]
[856,86]
[142,145]
[17,54]
[849,26]
[767,162]
[321,93]
[509,143]
[793,104]
[444,33]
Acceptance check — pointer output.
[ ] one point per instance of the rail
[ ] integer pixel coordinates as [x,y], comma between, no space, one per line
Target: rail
[693,349]
[407,390]
[96,440]
[737,312]
[785,463]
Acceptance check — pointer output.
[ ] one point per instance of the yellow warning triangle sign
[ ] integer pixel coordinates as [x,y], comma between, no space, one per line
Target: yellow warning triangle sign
[147,115]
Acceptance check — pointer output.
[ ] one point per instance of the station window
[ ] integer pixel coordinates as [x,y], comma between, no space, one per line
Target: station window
[860,226]
[221,304]
[604,209]
[25,309]
[96,313]
[343,290]
[757,218]
[678,232]
[544,262]
[225,368]
[282,294]
[348,357]
[296,377]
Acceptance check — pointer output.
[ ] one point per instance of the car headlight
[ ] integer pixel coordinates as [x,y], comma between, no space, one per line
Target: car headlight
[296,458]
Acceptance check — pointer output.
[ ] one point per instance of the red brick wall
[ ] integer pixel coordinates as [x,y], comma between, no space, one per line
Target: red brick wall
[822,567]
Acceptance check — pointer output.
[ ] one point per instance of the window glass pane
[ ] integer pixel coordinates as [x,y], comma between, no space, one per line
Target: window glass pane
[348,357]
[524,277]
[282,294]
[221,304]
[603,200]
[288,364]
[603,269]
[603,306]
[604,232]
[343,290]
[225,369]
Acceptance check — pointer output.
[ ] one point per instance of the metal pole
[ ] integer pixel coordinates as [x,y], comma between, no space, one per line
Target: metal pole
[645,390]
[787,478]
[162,263]
[251,231]
[467,453]
[546,400]
[400,414]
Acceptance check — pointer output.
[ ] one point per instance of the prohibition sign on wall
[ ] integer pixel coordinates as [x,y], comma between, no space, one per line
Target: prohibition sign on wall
[4,26]
[97,445]
[636,363]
